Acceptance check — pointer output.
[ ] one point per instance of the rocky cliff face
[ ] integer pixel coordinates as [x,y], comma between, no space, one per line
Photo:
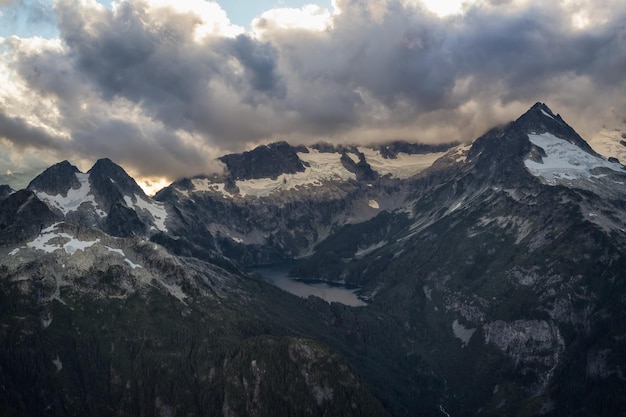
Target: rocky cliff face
[56,180]
[264,162]
[22,215]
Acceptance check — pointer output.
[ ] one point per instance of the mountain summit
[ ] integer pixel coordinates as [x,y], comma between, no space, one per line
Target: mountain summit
[105,197]
[543,144]
[540,119]
[267,161]
[112,182]
[56,180]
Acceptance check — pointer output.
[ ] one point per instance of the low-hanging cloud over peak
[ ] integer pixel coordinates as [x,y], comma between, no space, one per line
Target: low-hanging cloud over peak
[165,87]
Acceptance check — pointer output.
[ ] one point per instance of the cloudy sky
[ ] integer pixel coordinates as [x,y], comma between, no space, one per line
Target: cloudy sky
[163,87]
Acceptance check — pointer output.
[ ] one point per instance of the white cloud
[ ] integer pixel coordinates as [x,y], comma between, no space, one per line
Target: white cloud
[309,17]
[207,17]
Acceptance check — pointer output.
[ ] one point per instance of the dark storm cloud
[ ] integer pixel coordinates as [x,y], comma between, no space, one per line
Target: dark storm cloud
[523,48]
[140,84]
[406,63]
[148,150]
[119,55]
[24,135]
[158,64]
[537,54]
[259,60]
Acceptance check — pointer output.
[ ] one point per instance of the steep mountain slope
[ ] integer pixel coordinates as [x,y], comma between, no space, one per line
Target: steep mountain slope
[22,215]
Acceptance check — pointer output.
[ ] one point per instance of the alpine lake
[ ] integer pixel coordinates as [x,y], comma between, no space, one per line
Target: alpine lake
[331,292]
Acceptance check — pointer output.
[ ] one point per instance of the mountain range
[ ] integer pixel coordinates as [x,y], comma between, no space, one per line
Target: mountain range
[490,277]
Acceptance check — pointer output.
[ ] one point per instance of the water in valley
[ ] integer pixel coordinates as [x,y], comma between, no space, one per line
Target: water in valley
[278,275]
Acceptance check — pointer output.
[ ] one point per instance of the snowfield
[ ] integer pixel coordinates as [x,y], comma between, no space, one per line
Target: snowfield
[322,167]
[156,210]
[63,241]
[404,166]
[565,162]
[74,198]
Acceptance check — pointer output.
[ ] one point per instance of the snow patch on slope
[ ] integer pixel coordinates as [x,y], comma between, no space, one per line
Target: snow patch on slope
[545,113]
[132,264]
[565,162]
[64,241]
[205,185]
[365,251]
[322,167]
[57,363]
[175,290]
[462,333]
[118,251]
[156,210]
[355,158]
[459,153]
[74,198]
[121,252]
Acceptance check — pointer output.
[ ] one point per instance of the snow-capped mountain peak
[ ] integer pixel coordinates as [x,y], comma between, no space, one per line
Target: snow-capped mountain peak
[65,189]
[105,197]
[540,119]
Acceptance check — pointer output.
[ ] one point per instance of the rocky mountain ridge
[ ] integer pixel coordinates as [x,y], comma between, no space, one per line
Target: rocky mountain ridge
[104,197]
[285,214]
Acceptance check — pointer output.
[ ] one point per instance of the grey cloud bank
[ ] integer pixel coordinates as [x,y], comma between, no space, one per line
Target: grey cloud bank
[165,90]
